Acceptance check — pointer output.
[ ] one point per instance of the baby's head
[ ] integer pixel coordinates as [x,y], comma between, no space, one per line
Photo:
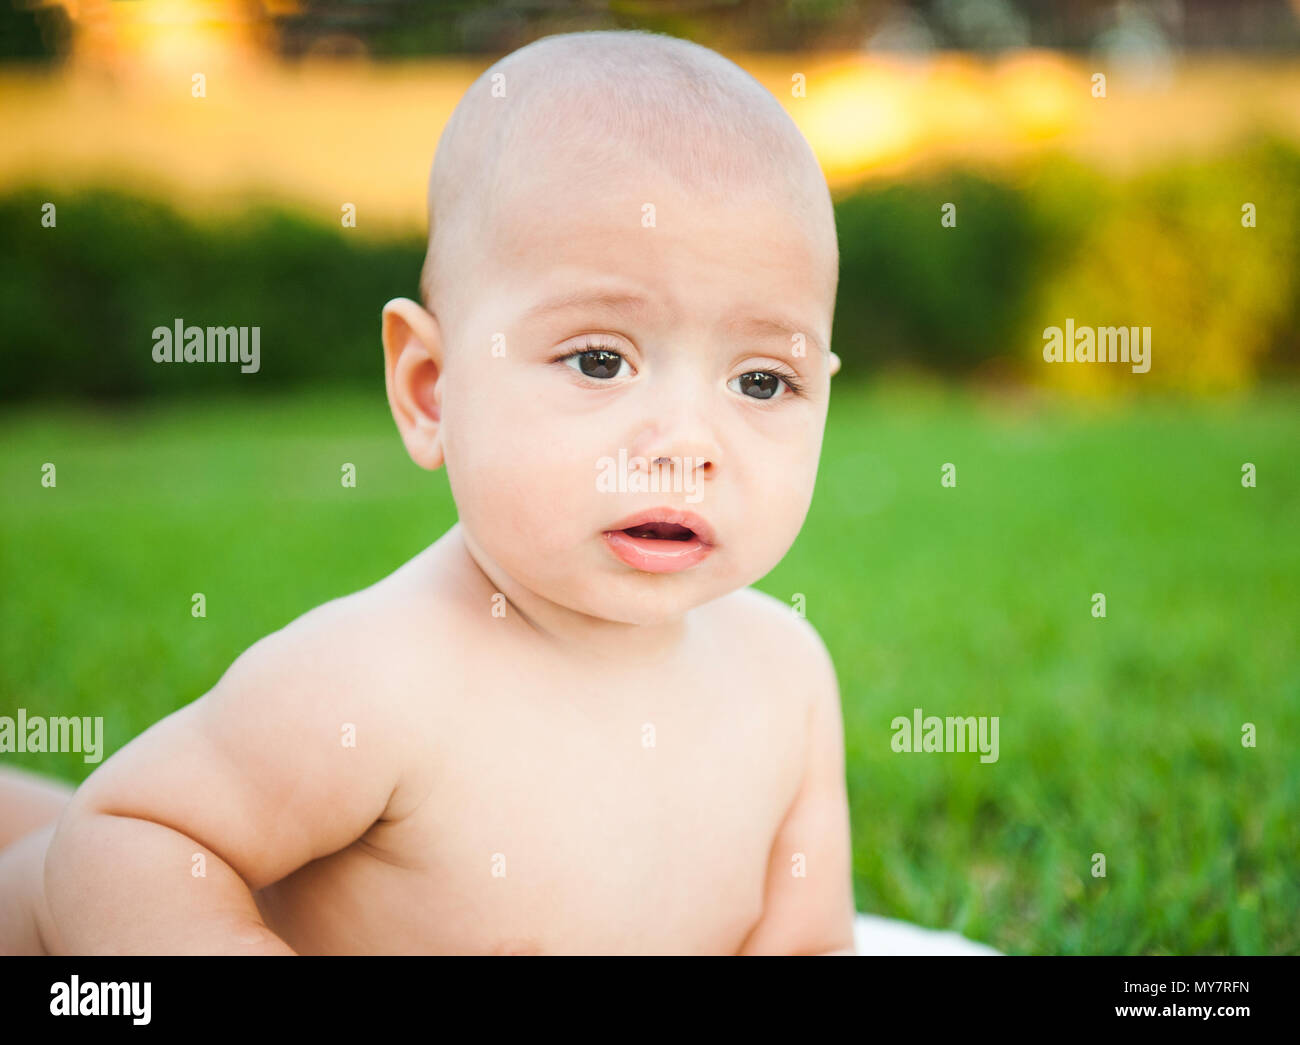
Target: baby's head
[632,259]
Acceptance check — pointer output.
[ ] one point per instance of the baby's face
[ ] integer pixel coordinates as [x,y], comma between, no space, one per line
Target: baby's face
[703,338]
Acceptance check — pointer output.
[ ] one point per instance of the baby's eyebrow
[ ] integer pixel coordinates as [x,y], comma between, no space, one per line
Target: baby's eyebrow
[608,299]
[767,326]
[627,302]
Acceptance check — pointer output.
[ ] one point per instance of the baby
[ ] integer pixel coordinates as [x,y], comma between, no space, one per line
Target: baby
[569,725]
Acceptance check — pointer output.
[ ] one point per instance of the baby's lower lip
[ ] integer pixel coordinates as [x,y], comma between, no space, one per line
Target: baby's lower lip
[651,555]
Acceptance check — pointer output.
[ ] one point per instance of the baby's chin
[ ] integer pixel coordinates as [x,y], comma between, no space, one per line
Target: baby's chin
[648,600]
[626,596]
[615,592]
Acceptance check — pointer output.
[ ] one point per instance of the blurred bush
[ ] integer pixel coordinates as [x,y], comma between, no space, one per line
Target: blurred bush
[1165,249]
[81,300]
[916,292]
[1168,250]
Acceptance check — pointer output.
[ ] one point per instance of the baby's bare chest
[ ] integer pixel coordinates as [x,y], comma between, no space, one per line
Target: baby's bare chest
[559,824]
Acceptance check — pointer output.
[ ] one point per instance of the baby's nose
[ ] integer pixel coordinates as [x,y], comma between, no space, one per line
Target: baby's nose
[702,464]
[681,433]
[678,438]
[689,463]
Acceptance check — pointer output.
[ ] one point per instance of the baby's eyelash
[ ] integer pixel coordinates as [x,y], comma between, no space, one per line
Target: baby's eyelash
[795,385]
[590,345]
[593,344]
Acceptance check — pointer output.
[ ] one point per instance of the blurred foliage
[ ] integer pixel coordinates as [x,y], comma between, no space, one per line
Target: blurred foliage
[1168,250]
[402,28]
[33,34]
[1165,249]
[913,291]
[42,30]
[82,299]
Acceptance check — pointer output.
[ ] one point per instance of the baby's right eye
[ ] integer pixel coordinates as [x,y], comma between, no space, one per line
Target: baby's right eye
[599,363]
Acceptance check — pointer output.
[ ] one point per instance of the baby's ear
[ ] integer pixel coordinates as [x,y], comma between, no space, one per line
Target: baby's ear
[412,369]
[835,364]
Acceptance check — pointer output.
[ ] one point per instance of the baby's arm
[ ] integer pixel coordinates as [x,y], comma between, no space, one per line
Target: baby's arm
[253,776]
[812,914]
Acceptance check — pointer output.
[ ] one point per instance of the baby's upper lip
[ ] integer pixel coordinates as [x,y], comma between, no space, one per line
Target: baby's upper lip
[676,516]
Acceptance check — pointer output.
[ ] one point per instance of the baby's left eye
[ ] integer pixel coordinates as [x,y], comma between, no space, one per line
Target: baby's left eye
[596,362]
[760,384]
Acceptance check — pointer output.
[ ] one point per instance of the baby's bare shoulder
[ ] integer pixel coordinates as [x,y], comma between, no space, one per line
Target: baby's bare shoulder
[791,647]
[361,649]
[357,668]
[332,642]
[760,613]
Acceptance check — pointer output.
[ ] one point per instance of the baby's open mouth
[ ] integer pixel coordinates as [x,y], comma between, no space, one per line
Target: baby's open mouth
[661,540]
[660,532]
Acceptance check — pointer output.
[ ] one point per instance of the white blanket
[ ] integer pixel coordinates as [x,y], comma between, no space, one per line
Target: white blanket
[875,935]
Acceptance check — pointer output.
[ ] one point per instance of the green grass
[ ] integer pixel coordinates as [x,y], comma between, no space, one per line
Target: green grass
[1118,736]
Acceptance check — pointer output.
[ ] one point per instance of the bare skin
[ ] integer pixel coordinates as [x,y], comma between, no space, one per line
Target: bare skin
[518,742]
[606,845]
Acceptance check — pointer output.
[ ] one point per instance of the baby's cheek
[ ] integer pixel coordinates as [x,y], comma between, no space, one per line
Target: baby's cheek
[788,511]
[528,493]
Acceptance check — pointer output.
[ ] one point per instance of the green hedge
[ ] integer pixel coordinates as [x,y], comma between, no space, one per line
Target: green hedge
[915,291]
[81,300]
[1166,249]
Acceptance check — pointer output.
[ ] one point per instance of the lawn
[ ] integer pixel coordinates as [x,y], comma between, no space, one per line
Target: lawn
[1119,735]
